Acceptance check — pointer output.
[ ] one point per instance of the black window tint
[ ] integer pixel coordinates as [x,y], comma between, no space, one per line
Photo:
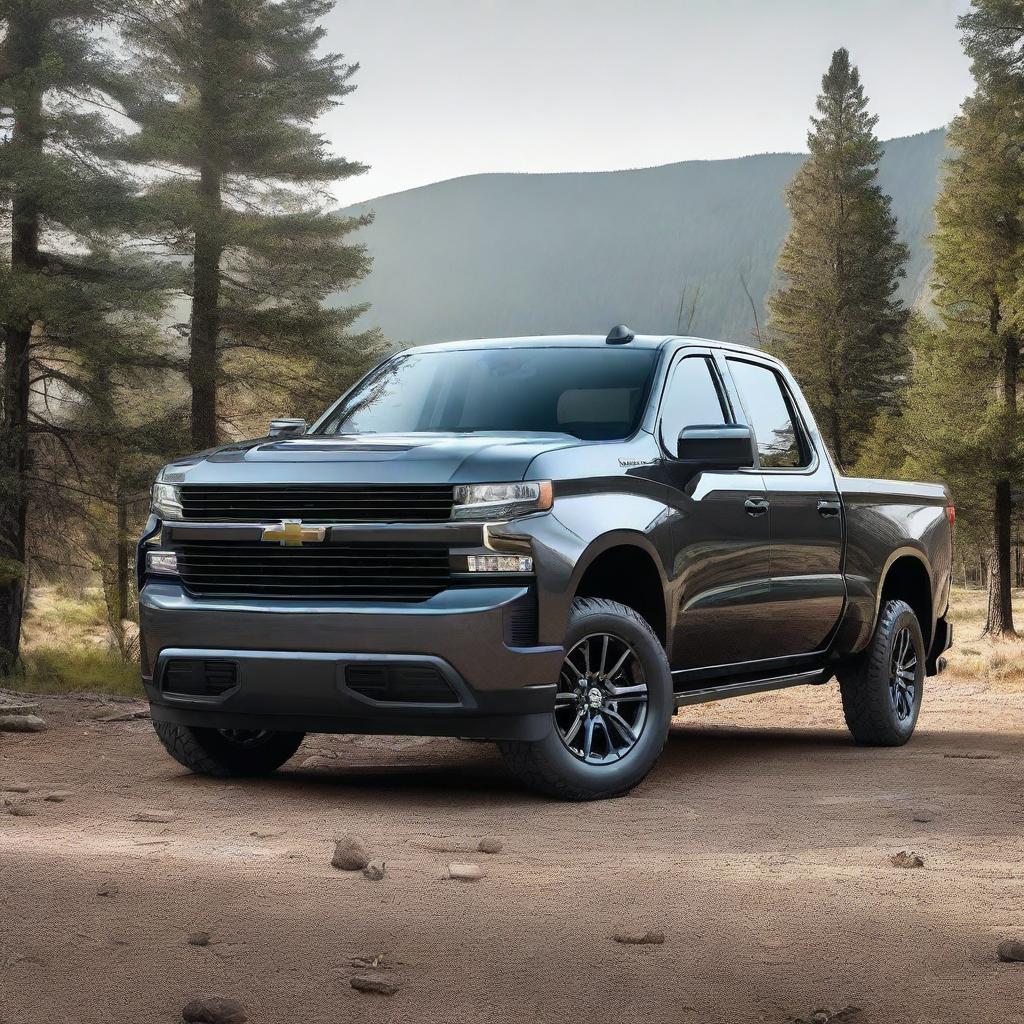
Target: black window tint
[692,398]
[778,442]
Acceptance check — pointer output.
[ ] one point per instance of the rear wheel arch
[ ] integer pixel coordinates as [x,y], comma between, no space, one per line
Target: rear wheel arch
[907,577]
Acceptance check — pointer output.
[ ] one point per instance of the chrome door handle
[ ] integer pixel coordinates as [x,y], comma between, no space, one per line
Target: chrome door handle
[828,509]
[756,506]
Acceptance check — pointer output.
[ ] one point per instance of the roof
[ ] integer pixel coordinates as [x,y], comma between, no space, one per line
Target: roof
[645,341]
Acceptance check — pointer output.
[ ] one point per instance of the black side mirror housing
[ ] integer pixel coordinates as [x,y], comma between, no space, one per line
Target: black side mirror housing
[285,427]
[717,446]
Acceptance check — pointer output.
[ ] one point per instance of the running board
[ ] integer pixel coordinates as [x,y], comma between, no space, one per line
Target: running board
[747,687]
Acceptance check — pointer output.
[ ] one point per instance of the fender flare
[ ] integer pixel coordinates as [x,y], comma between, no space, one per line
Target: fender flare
[922,558]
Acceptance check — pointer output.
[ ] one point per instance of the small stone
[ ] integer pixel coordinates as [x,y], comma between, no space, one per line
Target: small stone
[375,984]
[374,871]
[199,939]
[108,889]
[489,844]
[349,854]
[16,787]
[21,723]
[157,817]
[21,809]
[651,937]
[465,872]
[58,796]
[214,1010]
[1011,951]
[906,859]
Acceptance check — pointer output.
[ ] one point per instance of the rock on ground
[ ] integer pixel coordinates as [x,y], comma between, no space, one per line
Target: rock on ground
[906,859]
[375,870]
[489,844]
[214,1010]
[651,937]
[158,817]
[21,723]
[350,854]
[465,872]
[199,939]
[1011,951]
[58,796]
[374,983]
[16,787]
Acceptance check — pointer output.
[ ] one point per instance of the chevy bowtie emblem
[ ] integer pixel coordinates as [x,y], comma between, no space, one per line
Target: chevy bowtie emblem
[290,533]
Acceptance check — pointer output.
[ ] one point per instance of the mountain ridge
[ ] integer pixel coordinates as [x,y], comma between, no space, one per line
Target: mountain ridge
[519,253]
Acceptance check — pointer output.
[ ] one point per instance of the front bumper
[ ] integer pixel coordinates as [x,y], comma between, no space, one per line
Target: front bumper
[292,662]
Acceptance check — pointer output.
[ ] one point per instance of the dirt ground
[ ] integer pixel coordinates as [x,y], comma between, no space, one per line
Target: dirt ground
[760,845]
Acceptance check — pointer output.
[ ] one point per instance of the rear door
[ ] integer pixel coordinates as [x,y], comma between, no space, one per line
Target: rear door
[805,512]
[720,531]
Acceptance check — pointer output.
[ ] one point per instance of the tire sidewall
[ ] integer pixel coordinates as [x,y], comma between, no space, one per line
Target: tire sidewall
[904,617]
[617,778]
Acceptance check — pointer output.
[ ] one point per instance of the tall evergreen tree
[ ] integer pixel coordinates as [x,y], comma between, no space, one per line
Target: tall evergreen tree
[70,300]
[836,319]
[234,90]
[979,282]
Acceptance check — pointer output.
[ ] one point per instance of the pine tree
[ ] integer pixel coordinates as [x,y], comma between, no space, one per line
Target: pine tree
[836,319]
[979,284]
[70,299]
[234,91]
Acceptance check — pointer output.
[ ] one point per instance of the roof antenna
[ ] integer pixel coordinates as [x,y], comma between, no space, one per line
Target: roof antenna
[620,335]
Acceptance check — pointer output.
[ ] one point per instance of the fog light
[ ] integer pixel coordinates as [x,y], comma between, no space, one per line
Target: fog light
[165,562]
[499,563]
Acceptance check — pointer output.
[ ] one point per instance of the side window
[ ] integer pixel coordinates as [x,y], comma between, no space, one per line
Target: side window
[691,398]
[779,443]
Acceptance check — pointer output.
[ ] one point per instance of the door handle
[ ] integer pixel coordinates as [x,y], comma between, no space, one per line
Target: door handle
[756,506]
[828,509]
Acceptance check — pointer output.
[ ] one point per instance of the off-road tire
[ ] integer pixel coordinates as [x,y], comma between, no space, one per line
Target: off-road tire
[548,767]
[868,705]
[210,752]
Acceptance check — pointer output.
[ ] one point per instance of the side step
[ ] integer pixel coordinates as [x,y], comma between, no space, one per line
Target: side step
[749,686]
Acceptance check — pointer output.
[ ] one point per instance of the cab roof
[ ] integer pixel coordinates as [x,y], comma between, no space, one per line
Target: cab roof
[644,341]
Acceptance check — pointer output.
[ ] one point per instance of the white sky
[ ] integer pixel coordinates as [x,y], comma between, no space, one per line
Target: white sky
[453,87]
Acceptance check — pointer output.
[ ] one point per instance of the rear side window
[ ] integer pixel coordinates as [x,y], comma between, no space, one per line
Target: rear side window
[692,399]
[779,443]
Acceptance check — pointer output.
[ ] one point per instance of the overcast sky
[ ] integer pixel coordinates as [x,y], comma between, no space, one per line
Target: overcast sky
[453,87]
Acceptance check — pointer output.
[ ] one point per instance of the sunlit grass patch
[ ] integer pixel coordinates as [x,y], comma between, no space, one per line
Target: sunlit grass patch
[76,670]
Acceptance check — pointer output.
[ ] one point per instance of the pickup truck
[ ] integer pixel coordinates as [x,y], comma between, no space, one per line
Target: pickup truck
[552,543]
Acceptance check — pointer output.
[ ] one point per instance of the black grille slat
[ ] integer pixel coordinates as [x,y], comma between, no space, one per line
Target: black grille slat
[328,503]
[196,677]
[400,684]
[394,572]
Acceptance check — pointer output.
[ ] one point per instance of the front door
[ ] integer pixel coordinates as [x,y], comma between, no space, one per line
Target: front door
[720,572]
[807,584]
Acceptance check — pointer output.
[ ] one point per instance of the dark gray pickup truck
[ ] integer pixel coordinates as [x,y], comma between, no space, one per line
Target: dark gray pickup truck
[553,543]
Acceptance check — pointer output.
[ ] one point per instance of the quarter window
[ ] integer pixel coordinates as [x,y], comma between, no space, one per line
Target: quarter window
[779,444]
[692,399]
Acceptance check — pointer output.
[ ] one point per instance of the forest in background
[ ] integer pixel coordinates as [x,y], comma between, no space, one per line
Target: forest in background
[172,271]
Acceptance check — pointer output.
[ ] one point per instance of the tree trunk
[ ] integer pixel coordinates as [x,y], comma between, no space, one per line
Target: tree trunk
[122,554]
[25,36]
[205,311]
[1000,577]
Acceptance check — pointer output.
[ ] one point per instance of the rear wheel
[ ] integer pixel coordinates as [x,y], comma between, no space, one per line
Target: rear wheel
[882,690]
[612,709]
[228,752]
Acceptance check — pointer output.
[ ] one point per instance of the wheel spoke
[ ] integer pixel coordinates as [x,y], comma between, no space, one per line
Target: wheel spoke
[621,724]
[564,698]
[618,665]
[604,655]
[571,732]
[588,738]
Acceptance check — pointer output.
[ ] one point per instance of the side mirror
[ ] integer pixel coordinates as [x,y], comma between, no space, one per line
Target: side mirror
[723,446]
[285,427]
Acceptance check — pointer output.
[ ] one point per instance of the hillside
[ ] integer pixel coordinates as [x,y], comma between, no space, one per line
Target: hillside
[507,254]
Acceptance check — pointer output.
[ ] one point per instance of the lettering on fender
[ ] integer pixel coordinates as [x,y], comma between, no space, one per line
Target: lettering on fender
[626,463]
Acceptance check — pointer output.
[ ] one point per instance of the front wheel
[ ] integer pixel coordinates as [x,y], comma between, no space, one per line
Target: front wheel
[882,690]
[228,752]
[612,710]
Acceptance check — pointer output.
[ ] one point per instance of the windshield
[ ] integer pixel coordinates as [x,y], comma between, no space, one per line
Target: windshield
[593,394]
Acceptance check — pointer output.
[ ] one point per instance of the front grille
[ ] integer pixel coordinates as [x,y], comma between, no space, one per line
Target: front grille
[391,683]
[358,572]
[198,677]
[327,503]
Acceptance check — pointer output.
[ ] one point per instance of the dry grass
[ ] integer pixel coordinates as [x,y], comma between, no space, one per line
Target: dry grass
[67,645]
[974,657]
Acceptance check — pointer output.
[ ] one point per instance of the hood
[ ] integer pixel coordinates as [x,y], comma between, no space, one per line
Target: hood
[369,458]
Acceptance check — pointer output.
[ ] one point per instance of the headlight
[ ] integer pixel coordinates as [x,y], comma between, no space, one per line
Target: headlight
[167,501]
[500,501]
[163,562]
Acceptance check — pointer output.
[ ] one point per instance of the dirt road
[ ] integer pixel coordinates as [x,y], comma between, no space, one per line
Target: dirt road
[760,846]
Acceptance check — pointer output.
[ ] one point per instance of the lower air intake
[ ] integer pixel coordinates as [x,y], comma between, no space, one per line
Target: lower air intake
[389,683]
[199,677]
